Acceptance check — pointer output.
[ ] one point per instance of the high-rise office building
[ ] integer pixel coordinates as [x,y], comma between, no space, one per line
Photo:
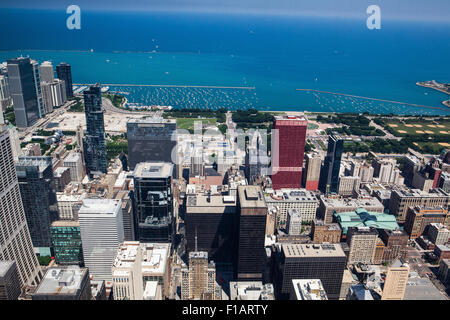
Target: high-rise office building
[15,240]
[10,287]
[22,86]
[64,283]
[312,168]
[47,73]
[211,226]
[151,140]
[5,94]
[395,282]
[310,261]
[420,217]
[74,162]
[66,241]
[294,222]
[101,228]
[38,192]
[252,211]
[138,266]
[396,244]
[288,148]
[362,242]
[329,175]
[198,282]
[64,73]
[94,143]
[127,214]
[53,94]
[153,201]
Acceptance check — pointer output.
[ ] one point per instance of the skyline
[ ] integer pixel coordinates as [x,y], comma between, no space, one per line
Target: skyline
[413,10]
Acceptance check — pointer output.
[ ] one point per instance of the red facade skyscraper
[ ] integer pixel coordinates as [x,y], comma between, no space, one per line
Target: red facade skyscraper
[288,149]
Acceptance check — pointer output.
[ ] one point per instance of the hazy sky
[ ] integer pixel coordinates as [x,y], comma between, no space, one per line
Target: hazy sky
[427,10]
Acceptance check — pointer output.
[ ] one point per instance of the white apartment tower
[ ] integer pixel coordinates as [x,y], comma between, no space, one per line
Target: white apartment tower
[15,240]
[101,227]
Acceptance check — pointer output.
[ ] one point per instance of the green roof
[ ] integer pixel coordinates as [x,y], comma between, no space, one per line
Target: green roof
[361,217]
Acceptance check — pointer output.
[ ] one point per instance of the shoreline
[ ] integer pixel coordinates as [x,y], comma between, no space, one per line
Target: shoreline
[445,102]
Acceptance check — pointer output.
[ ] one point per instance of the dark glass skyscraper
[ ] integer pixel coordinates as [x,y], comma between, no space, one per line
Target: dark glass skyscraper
[251,254]
[22,86]
[64,72]
[94,144]
[151,140]
[37,189]
[329,178]
[153,202]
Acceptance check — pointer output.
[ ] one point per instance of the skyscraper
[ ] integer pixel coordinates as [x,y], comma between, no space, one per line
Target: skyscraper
[310,261]
[22,86]
[252,209]
[395,282]
[288,148]
[64,73]
[66,241]
[101,227]
[15,240]
[198,282]
[151,140]
[5,95]
[37,189]
[153,202]
[312,168]
[47,74]
[329,177]
[94,143]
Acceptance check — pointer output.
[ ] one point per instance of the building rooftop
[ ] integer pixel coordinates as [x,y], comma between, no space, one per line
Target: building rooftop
[153,257]
[329,226]
[153,120]
[37,161]
[100,206]
[153,170]
[58,281]
[209,204]
[60,196]
[251,290]
[251,197]
[72,157]
[422,289]
[351,202]
[363,218]
[65,223]
[292,195]
[309,289]
[4,267]
[312,250]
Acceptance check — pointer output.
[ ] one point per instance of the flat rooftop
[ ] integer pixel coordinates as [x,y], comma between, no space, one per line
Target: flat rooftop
[352,202]
[153,257]
[37,161]
[153,170]
[309,289]
[65,223]
[251,197]
[422,289]
[100,206]
[150,120]
[61,281]
[72,157]
[292,195]
[216,204]
[291,250]
[4,267]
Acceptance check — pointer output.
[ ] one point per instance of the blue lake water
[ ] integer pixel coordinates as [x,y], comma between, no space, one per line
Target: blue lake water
[273,55]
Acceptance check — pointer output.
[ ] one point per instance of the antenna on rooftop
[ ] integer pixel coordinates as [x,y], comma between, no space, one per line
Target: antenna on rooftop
[195,239]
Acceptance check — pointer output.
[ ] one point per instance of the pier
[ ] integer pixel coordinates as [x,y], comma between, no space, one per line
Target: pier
[373,99]
[165,86]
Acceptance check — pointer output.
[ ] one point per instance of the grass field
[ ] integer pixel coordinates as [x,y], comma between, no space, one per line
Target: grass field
[419,127]
[188,123]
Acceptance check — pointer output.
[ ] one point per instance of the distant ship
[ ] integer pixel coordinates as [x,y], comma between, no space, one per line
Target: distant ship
[92,50]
